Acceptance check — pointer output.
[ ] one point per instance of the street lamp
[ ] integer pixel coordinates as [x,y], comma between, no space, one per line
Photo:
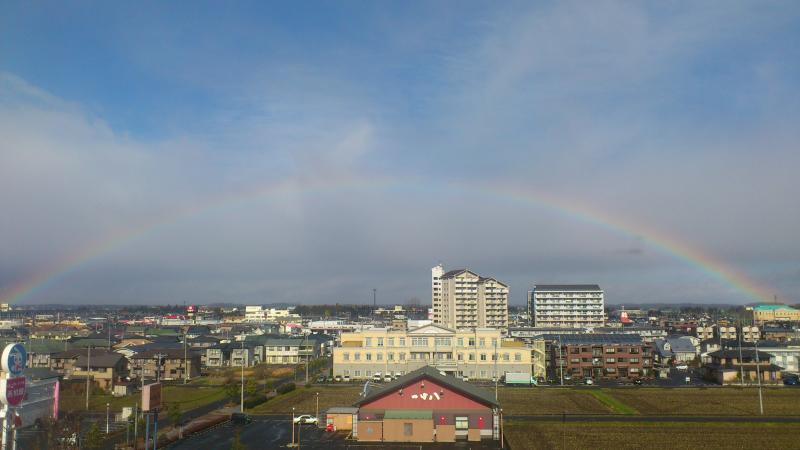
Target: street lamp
[292,444]
[242,405]
[317,415]
[108,406]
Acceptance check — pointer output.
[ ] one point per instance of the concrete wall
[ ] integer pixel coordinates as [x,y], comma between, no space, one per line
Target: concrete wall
[370,430]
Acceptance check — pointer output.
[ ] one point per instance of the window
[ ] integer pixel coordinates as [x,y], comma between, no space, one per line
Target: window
[380,356]
[634,360]
[471,342]
[460,342]
[357,356]
[575,360]
[634,351]
[462,423]
[505,356]
[346,356]
[472,356]
[443,342]
[369,356]
[494,356]
[408,429]
[494,342]
[574,350]
[402,342]
[483,356]
[611,350]
[402,356]
[390,356]
[390,342]
[460,356]
[517,357]
[482,342]
[419,342]
[367,342]
[611,360]
[380,342]
[357,373]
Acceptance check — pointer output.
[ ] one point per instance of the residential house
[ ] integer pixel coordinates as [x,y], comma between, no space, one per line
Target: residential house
[165,364]
[599,356]
[104,368]
[728,367]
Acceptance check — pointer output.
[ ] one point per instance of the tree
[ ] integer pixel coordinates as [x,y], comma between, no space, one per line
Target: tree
[232,389]
[269,384]
[93,439]
[250,387]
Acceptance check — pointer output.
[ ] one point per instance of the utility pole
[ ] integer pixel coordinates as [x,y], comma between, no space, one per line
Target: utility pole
[185,359]
[758,374]
[374,302]
[88,365]
[741,365]
[241,408]
[305,349]
[317,412]
[560,361]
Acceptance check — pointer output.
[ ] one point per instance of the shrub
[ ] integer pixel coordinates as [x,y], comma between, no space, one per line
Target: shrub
[286,387]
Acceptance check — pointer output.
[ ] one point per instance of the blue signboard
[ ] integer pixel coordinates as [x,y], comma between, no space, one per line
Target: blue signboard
[14,359]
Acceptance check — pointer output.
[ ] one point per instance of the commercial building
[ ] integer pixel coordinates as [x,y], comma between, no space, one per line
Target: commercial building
[566,305]
[462,299]
[481,353]
[775,313]
[426,406]
[599,356]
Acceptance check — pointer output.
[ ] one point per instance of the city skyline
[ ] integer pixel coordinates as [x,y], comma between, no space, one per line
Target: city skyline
[277,153]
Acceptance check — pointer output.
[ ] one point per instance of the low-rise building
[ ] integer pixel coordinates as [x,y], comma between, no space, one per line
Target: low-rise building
[426,406]
[165,364]
[481,353]
[775,313]
[675,349]
[728,367]
[104,369]
[599,356]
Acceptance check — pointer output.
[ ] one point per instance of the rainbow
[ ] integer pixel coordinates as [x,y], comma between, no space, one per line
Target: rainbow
[673,246]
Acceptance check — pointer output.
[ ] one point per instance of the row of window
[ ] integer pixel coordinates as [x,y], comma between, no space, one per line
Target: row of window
[608,360]
[440,356]
[425,342]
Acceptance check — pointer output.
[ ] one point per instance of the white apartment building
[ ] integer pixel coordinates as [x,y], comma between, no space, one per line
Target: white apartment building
[462,299]
[260,314]
[436,293]
[566,305]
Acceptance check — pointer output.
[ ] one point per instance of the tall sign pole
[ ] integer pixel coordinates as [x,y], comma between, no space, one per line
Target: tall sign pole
[12,385]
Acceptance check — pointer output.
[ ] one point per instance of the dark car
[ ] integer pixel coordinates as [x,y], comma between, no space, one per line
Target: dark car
[638,382]
[791,381]
[240,419]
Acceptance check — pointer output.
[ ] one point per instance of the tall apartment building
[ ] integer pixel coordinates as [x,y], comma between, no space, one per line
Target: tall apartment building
[566,305]
[436,293]
[462,299]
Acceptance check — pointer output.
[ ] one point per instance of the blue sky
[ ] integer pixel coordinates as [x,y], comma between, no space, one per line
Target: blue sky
[681,116]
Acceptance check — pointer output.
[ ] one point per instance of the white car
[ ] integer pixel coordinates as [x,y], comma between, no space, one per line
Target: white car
[682,367]
[306,418]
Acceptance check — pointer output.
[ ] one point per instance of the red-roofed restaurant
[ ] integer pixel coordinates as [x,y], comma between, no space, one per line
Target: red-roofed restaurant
[426,406]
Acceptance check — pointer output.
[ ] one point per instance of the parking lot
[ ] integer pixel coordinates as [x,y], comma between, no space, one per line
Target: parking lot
[272,432]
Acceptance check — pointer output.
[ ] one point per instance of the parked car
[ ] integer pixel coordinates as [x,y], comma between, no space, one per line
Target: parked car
[306,418]
[589,381]
[637,382]
[682,367]
[377,377]
[465,378]
[791,381]
[321,379]
[240,419]
[387,378]
[337,378]
[346,378]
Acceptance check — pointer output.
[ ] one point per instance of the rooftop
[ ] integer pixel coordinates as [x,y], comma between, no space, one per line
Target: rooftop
[566,287]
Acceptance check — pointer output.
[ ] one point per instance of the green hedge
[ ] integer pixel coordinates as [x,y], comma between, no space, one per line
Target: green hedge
[255,401]
[286,387]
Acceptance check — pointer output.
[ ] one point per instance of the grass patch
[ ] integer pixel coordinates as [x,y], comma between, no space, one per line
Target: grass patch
[612,403]
[304,400]
[529,435]
[189,397]
[725,401]
[518,400]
